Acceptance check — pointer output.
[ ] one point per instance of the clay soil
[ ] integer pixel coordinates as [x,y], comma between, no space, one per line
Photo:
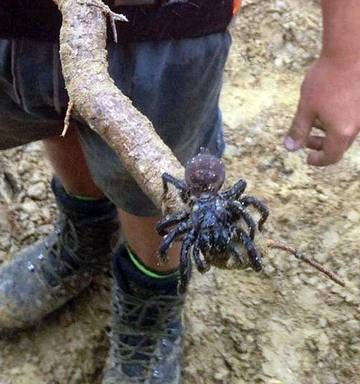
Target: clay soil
[286,325]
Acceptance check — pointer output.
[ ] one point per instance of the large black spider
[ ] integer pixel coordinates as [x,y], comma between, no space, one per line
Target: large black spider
[212,224]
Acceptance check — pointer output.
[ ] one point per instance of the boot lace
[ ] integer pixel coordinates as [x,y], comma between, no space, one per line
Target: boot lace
[144,332]
[81,249]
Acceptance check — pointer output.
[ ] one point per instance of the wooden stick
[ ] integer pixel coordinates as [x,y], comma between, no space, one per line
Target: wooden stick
[332,275]
[102,105]
[108,12]
[67,118]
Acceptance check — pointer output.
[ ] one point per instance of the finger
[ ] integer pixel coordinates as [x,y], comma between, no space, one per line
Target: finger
[300,128]
[334,146]
[315,142]
[321,159]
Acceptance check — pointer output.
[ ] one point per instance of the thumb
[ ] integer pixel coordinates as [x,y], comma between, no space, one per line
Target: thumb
[300,128]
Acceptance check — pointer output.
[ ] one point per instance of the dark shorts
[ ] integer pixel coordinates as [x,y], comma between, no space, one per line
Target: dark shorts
[176,84]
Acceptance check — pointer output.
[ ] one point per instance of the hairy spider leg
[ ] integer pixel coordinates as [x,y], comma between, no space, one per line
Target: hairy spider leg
[171,237]
[185,261]
[262,208]
[238,212]
[251,250]
[235,191]
[201,264]
[178,184]
[163,225]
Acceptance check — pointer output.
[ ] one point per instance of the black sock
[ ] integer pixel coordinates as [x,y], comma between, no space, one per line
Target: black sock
[132,279]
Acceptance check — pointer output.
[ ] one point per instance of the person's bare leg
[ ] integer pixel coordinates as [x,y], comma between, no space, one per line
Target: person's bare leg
[67,159]
[144,241]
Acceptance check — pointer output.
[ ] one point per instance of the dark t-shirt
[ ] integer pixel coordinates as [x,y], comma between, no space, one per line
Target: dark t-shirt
[40,19]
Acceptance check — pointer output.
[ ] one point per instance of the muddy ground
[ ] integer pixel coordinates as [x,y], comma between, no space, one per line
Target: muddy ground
[287,325]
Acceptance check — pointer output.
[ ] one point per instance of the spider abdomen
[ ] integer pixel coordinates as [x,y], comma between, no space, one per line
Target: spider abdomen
[215,238]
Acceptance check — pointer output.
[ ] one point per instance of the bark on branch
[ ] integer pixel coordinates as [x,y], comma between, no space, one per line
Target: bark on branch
[101,104]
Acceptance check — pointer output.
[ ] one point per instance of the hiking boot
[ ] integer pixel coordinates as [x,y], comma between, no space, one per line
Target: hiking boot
[146,334]
[46,275]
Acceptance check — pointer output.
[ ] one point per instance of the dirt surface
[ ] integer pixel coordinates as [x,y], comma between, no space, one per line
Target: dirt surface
[286,325]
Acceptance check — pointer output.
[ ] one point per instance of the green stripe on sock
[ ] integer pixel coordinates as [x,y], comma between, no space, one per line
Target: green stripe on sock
[146,271]
[85,198]
[81,197]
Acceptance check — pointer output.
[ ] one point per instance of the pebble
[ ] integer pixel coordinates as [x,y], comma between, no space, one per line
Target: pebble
[275,381]
[222,374]
[323,322]
[37,191]
[232,150]
[36,177]
[23,167]
[353,216]
[33,147]
[322,198]
[29,207]
[353,325]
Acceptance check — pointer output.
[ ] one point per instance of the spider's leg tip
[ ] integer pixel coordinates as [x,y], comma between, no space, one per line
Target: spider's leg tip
[203,270]
[258,266]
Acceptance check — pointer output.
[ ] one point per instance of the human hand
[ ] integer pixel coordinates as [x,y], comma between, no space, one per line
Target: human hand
[330,100]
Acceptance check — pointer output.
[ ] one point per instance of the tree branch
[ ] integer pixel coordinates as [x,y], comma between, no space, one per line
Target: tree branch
[106,110]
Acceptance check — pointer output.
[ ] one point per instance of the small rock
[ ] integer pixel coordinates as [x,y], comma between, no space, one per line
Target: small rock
[36,177]
[278,62]
[353,216]
[9,188]
[23,167]
[275,381]
[37,191]
[323,322]
[355,348]
[250,339]
[353,325]
[29,207]
[322,198]
[222,374]
[231,151]
[46,215]
[33,147]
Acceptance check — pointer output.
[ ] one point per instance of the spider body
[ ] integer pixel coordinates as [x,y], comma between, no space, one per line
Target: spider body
[210,221]
[214,220]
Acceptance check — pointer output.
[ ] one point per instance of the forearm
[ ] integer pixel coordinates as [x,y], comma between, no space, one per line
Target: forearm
[341,32]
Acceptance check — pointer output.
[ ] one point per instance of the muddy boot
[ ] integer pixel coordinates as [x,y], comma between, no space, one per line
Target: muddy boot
[46,275]
[146,335]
